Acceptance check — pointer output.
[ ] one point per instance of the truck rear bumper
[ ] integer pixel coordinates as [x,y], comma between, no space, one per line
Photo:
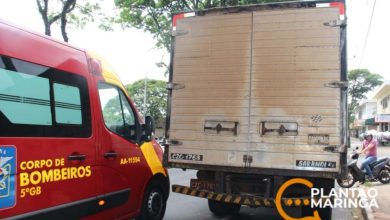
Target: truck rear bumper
[248,200]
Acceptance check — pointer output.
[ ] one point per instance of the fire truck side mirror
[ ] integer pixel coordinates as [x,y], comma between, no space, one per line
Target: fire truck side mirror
[148,129]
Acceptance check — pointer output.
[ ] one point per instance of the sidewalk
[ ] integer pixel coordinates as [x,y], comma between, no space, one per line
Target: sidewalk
[383,198]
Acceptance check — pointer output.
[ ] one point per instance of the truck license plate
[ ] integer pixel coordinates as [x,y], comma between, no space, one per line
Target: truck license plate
[179,156]
[202,185]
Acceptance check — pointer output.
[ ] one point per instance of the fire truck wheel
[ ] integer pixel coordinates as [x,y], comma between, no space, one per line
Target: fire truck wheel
[221,209]
[154,203]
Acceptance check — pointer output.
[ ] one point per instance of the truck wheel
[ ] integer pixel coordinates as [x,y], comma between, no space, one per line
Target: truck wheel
[327,185]
[384,175]
[154,203]
[325,213]
[222,209]
[347,182]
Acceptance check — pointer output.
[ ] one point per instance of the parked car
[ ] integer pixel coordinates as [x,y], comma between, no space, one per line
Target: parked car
[383,137]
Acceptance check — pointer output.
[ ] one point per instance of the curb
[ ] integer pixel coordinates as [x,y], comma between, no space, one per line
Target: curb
[367,212]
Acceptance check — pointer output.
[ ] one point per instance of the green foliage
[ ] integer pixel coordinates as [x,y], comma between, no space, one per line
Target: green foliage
[112,112]
[154,16]
[85,12]
[156,97]
[361,81]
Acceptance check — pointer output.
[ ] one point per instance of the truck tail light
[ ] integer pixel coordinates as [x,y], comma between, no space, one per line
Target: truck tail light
[179,16]
[338,5]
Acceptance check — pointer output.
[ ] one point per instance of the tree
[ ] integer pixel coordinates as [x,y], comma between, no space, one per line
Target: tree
[360,81]
[156,97]
[112,112]
[154,16]
[67,12]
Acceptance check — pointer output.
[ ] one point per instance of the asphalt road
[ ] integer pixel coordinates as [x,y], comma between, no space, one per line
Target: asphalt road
[181,207]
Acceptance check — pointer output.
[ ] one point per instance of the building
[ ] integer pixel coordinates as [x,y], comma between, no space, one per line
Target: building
[364,117]
[382,117]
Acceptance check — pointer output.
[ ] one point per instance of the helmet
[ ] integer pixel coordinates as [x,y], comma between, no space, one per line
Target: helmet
[366,135]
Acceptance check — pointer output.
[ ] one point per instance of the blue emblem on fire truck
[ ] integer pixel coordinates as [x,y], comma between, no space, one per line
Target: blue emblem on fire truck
[7,176]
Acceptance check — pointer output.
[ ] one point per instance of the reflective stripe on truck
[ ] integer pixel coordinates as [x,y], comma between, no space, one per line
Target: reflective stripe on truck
[249,200]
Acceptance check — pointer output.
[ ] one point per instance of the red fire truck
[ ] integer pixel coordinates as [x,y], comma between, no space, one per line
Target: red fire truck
[72,144]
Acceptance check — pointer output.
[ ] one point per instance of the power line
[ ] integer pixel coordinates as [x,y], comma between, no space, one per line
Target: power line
[368,31]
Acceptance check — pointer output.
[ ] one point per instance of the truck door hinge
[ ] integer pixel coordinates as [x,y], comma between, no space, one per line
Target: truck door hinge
[174,142]
[336,23]
[179,33]
[337,84]
[175,86]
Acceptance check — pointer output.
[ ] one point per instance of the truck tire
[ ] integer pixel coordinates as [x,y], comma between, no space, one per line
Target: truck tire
[154,203]
[327,185]
[348,181]
[222,209]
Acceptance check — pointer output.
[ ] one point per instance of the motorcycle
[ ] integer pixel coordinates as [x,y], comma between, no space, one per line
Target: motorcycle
[380,170]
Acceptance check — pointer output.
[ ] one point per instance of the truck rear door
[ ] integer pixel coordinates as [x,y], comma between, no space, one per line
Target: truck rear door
[210,116]
[252,87]
[295,107]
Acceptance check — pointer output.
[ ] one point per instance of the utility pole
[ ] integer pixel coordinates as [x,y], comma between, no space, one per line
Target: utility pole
[145,94]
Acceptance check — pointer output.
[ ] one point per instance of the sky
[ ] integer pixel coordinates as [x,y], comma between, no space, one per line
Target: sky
[131,52]
[133,55]
[375,54]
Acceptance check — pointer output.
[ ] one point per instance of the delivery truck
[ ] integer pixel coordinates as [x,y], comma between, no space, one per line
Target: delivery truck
[257,98]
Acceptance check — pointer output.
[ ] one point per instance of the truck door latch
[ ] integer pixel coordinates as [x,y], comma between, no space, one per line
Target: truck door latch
[247,159]
[337,84]
[336,23]
[179,33]
[280,128]
[221,127]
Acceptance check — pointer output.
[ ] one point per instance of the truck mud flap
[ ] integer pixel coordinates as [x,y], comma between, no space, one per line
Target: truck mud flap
[248,200]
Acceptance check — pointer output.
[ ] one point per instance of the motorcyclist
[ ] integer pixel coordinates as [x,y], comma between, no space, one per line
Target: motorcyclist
[370,150]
